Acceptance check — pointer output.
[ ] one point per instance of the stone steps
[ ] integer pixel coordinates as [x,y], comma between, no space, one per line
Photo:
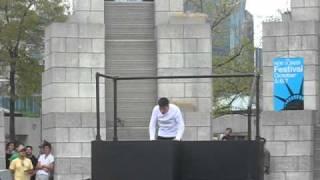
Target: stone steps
[131,51]
[129,20]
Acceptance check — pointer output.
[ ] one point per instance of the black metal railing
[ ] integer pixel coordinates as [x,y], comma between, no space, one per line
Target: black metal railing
[254,90]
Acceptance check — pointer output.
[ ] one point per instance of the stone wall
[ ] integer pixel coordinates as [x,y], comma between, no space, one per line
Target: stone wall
[184,48]
[74,53]
[290,140]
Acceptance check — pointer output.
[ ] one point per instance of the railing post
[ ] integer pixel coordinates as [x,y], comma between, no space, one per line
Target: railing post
[115,110]
[258,106]
[98,136]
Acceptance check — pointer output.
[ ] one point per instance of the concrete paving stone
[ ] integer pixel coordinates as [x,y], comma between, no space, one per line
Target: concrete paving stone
[198,89]
[78,105]
[85,46]
[202,60]
[306,163]
[171,90]
[197,31]
[170,60]
[92,31]
[58,44]
[275,176]
[170,31]
[97,5]
[282,43]
[82,6]
[297,3]
[299,175]
[204,45]
[86,150]
[276,148]
[303,27]
[280,164]
[164,45]
[196,119]
[286,133]
[269,44]
[176,5]
[189,45]
[267,132]
[80,165]
[305,14]
[82,134]
[204,104]
[298,148]
[204,133]
[62,165]
[65,60]
[177,45]
[161,18]
[67,150]
[162,5]
[72,45]
[96,17]
[54,105]
[269,29]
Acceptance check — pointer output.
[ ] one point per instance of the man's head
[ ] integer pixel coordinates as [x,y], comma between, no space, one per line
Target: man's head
[22,150]
[228,131]
[10,146]
[163,105]
[29,150]
[46,148]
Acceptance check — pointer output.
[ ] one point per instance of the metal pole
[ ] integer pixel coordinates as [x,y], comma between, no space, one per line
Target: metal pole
[98,136]
[249,122]
[258,106]
[115,94]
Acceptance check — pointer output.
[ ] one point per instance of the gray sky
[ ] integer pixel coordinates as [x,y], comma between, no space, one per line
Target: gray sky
[262,10]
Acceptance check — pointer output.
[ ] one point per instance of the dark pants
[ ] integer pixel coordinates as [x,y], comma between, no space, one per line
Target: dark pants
[165,138]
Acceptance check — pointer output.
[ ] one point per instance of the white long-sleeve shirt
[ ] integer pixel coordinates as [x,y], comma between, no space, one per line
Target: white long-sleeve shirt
[170,124]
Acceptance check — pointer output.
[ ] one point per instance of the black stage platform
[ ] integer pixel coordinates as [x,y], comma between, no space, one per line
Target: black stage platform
[172,160]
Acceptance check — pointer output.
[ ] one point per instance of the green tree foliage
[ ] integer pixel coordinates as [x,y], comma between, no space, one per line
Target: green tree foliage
[22,24]
[226,59]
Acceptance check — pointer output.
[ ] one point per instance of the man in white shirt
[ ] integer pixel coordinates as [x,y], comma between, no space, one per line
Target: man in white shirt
[45,163]
[168,118]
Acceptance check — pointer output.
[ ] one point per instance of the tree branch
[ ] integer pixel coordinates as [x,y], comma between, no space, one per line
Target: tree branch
[20,27]
[234,56]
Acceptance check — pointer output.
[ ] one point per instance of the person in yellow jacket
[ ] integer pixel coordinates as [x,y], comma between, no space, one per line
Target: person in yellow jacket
[21,167]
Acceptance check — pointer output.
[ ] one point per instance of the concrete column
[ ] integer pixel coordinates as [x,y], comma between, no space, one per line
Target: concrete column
[294,39]
[292,136]
[184,48]
[74,52]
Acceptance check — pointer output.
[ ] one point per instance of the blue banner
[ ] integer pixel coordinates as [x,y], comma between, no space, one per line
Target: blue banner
[288,78]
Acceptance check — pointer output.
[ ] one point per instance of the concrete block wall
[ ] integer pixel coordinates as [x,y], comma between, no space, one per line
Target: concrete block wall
[2,142]
[164,9]
[294,39]
[290,140]
[305,10]
[184,48]
[74,52]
